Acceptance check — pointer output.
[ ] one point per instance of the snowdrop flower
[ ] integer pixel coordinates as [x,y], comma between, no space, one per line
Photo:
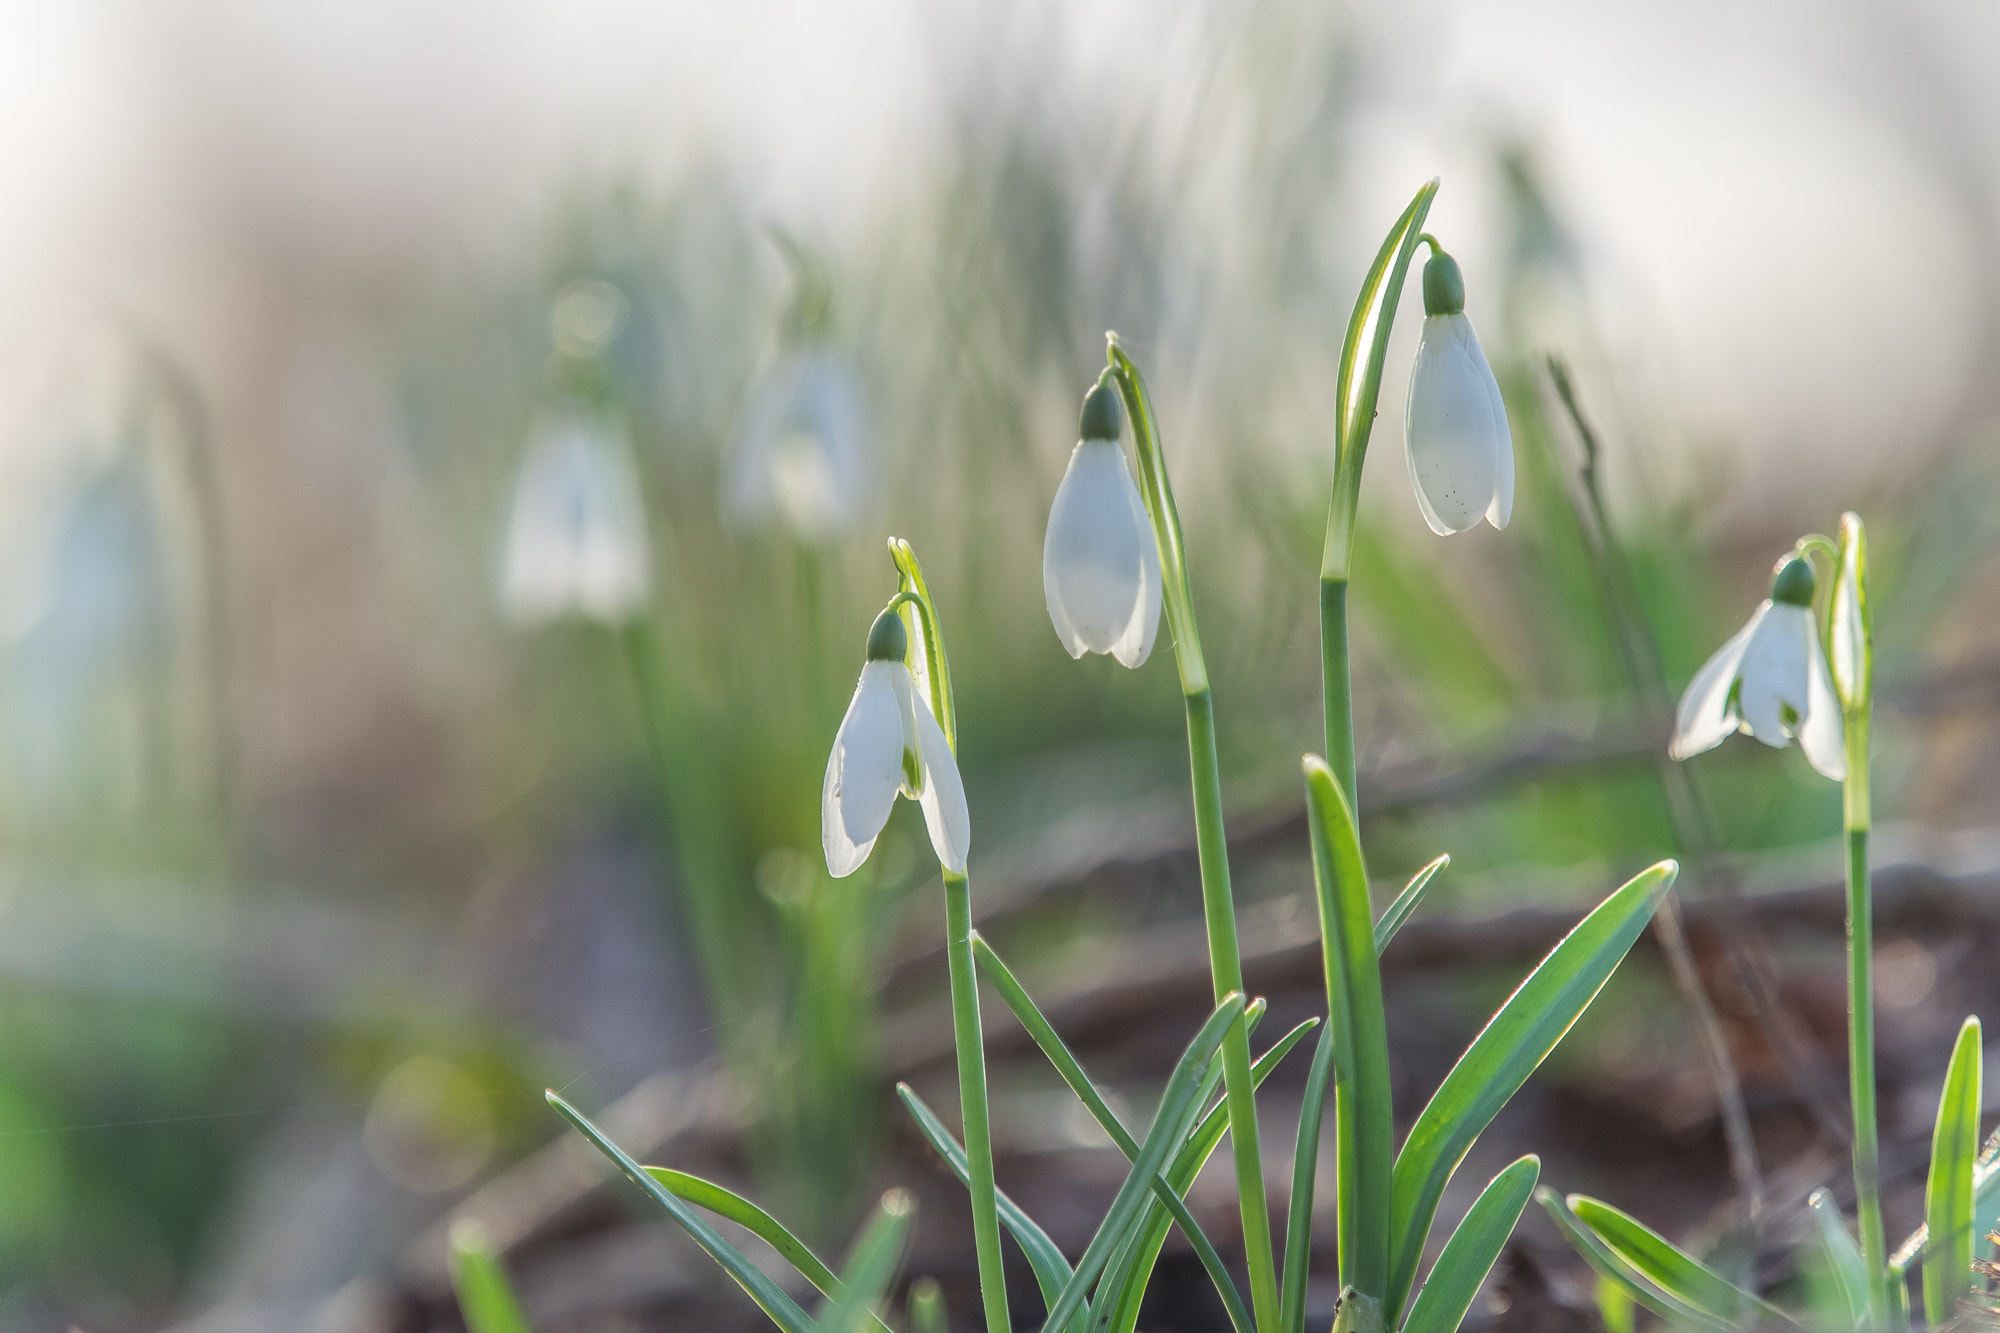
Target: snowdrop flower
[1100,565]
[1455,426]
[889,744]
[576,533]
[802,455]
[1770,681]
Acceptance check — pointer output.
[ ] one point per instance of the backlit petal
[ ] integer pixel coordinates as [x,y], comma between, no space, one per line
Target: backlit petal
[1821,733]
[865,770]
[1502,509]
[1775,674]
[1448,433]
[943,798]
[1705,717]
[1136,642]
[1093,556]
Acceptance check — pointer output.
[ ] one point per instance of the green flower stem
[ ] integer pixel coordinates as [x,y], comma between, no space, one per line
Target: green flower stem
[1337,681]
[1218,901]
[1861,1018]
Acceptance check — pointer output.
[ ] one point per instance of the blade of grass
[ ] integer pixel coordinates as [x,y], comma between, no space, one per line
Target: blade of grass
[1470,1253]
[1178,1107]
[1305,1174]
[1948,1196]
[1986,1199]
[1843,1256]
[1666,1266]
[1406,902]
[1514,1041]
[1363,1116]
[1619,1273]
[871,1266]
[771,1298]
[1072,1071]
[485,1296]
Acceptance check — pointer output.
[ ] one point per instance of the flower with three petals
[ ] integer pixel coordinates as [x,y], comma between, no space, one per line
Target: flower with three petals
[1100,564]
[1455,433]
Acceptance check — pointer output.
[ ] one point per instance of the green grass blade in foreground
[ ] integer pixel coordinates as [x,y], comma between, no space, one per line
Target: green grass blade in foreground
[1843,1256]
[1406,902]
[1305,1173]
[1052,1271]
[871,1266]
[1506,1051]
[1363,1115]
[1948,1197]
[485,1296]
[1986,1202]
[1470,1253]
[1667,1267]
[1609,1266]
[782,1309]
[1125,1282]
[1072,1071]
[1178,1106]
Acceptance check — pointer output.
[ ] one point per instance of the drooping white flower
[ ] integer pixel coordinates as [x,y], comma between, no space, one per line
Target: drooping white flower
[1455,433]
[1770,680]
[1100,565]
[890,744]
[576,531]
[802,455]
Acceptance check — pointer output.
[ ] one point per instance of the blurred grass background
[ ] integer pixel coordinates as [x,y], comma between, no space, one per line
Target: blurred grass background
[313,869]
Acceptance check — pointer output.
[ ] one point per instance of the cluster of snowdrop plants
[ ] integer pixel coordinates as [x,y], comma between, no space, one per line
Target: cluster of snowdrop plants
[1114,566]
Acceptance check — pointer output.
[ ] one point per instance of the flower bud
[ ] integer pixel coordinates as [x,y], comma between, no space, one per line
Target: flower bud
[888,641]
[1793,583]
[1101,415]
[1444,285]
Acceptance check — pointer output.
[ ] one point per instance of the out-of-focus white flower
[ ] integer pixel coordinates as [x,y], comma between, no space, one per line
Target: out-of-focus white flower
[1455,431]
[1770,681]
[802,455]
[1100,564]
[576,532]
[1853,654]
[889,744]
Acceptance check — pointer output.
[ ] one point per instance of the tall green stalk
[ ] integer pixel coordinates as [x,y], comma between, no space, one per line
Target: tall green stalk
[1861,1016]
[1211,842]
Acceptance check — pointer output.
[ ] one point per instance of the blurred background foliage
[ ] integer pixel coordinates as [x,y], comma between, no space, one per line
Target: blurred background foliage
[314,867]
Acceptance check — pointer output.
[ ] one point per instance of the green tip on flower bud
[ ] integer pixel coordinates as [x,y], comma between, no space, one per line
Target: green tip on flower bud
[1793,584]
[888,641]
[1101,415]
[1444,286]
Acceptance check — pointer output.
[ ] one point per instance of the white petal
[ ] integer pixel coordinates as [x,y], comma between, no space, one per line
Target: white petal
[1775,674]
[1502,509]
[1448,428]
[1705,718]
[1093,555]
[865,770]
[1136,642]
[943,800]
[1821,732]
[1850,636]
[576,529]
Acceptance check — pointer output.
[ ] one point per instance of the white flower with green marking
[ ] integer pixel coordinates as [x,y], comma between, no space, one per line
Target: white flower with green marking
[1770,681]
[1100,564]
[576,531]
[1455,433]
[890,744]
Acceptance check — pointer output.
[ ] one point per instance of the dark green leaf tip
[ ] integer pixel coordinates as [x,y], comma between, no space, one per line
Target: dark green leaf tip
[1444,285]
[1100,416]
[888,641]
[1794,582]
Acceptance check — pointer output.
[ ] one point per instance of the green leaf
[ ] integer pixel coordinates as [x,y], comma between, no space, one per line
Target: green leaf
[1406,902]
[1986,1200]
[1948,1198]
[1305,1173]
[782,1309]
[1621,1274]
[1179,1105]
[1363,1116]
[1506,1051]
[1843,1256]
[1686,1279]
[1125,1281]
[485,1296]
[1051,1270]
[927,1307]
[871,1266]
[1470,1253]
[1615,1306]
[1046,1037]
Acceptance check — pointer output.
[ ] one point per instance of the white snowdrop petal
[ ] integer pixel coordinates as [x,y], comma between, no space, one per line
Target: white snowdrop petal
[866,769]
[943,799]
[1447,433]
[1775,672]
[1821,733]
[843,855]
[576,532]
[1092,555]
[1705,719]
[1136,643]
[1501,510]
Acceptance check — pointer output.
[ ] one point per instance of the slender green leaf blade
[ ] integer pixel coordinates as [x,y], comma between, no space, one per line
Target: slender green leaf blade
[1619,1273]
[927,1307]
[1514,1041]
[1305,1172]
[1363,1116]
[1986,1199]
[771,1298]
[1843,1256]
[871,1266]
[485,1296]
[1688,1279]
[1406,902]
[1374,311]
[1470,1253]
[1948,1198]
